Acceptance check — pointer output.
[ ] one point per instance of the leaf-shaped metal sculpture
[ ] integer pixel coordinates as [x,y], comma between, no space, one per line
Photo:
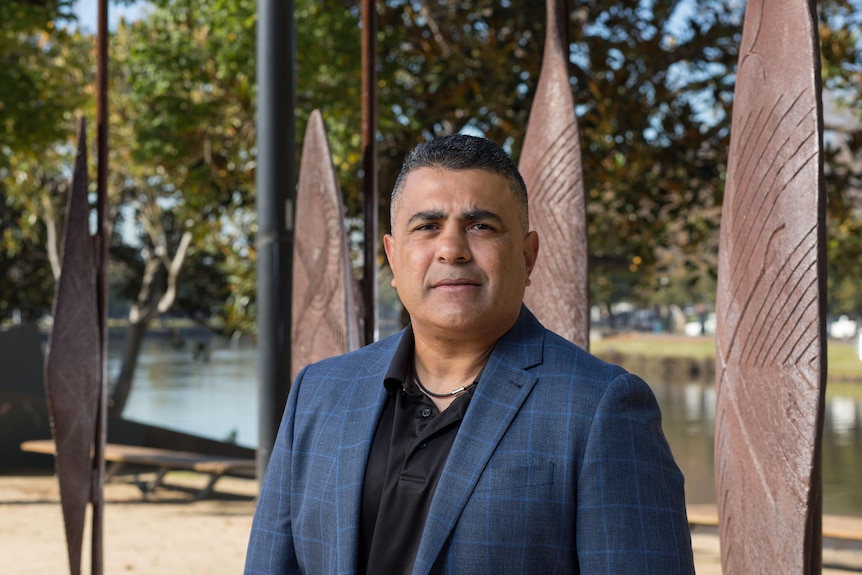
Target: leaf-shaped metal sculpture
[325,314]
[770,301]
[73,363]
[551,165]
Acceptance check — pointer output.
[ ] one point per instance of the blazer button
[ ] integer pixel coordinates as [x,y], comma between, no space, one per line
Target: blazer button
[426,411]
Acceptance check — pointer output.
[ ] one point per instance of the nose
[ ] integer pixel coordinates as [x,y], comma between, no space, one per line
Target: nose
[452,246]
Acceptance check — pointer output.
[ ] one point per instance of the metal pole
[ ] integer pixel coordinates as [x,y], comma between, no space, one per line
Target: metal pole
[276,195]
[369,162]
[103,241]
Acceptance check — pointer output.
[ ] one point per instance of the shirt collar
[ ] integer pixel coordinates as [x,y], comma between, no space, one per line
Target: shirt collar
[399,368]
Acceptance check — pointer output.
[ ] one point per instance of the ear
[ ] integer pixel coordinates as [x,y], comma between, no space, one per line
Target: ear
[389,248]
[531,252]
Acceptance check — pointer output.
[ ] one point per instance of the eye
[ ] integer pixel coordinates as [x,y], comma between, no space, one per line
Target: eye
[480,227]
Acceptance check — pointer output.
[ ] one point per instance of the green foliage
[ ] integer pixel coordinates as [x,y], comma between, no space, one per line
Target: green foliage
[653,92]
[45,80]
[841,55]
[183,149]
[450,66]
[654,88]
[328,78]
[24,265]
[32,59]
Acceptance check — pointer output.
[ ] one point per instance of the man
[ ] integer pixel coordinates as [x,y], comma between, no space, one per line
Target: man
[475,440]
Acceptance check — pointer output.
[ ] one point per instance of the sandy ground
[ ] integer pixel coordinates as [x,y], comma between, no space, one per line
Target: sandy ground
[166,533]
[171,533]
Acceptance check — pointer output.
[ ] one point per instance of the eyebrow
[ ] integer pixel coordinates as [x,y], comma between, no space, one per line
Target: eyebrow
[469,216]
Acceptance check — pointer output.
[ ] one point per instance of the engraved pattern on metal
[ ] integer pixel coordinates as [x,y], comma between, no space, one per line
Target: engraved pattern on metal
[325,312]
[770,371]
[551,166]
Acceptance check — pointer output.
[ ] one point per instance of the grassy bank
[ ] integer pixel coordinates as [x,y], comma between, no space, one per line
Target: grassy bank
[842,357]
[652,345]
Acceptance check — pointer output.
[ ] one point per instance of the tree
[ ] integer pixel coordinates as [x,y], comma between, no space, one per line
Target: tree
[653,84]
[26,270]
[44,76]
[31,54]
[184,158]
[652,90]
[841,52]
[655,87]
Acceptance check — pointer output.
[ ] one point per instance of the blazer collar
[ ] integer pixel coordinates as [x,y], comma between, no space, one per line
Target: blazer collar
[504,387]
[363,411]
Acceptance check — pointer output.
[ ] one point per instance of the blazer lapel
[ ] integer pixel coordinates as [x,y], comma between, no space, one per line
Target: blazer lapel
[362,414]
[504,387]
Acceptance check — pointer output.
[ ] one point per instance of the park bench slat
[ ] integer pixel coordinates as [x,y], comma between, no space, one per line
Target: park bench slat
[163,460]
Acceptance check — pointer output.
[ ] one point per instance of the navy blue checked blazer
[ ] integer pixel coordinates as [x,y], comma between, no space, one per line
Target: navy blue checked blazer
[560,466]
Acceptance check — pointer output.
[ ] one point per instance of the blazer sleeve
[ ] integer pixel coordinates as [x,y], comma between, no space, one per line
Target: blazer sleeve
[631,515]
[270,547]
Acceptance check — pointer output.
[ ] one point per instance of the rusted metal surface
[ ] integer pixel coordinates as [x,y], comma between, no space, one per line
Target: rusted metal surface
[325,315]
[770,302]
[369,165]
[103,235]
[74,362]
[551,165]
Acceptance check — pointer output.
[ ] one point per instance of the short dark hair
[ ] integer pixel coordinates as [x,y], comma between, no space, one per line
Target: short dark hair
[463,152]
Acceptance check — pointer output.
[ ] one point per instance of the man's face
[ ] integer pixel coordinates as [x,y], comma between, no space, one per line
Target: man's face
[460,258]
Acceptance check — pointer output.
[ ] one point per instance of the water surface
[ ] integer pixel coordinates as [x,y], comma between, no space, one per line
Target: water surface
[215,396]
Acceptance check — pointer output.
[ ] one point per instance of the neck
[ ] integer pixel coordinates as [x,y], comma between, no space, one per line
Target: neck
[447,359]
[455,350]
[444,378]
[442,370]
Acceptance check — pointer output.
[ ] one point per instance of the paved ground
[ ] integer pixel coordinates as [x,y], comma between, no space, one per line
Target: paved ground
[171,533]
[842,545]
[839,558]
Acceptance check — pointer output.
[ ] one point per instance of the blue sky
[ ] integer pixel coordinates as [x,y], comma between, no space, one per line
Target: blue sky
[88,13]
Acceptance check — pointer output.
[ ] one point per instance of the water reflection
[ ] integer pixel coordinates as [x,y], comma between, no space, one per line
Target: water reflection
[842,419]
[688,409]
[216,397]
[210,392]
[688,419]
[842,459]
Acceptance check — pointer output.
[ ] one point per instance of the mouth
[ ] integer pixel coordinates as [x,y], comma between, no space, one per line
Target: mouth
[455,283]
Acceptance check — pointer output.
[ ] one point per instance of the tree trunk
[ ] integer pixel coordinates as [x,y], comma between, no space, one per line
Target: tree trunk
[131,350]
[148,308]
[52,243]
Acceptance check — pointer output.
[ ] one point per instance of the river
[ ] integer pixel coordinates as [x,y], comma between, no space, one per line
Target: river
[215,395]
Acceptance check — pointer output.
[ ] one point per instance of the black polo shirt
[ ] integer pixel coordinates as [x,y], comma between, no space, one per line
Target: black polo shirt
[407,456]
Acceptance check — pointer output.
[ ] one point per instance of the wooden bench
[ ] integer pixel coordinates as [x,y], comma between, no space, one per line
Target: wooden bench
[163,460]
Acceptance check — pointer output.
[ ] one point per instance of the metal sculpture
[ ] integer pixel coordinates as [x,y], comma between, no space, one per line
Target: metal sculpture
[369,165]
[771,368]
[325,313]
[76,362]
[102,240]
[73,365]
[551,166]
